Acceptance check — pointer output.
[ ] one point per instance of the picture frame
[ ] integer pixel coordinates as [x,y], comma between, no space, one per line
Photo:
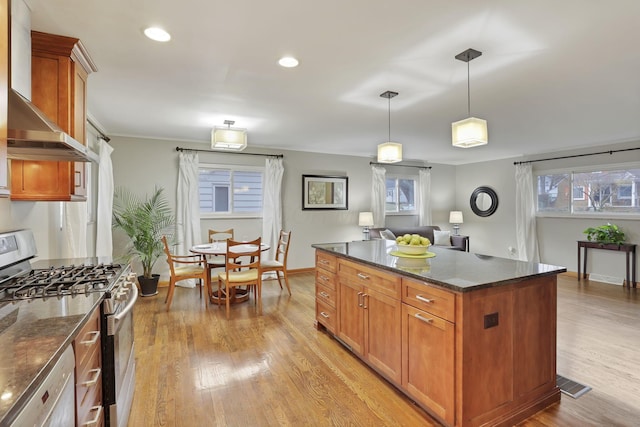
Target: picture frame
[322,192]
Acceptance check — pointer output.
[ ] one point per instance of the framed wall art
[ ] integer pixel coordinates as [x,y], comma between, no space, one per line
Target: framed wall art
[325,192]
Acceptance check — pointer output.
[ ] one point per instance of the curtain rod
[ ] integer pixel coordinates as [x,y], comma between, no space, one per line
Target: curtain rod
[229,152]
[395,164]
[100,134]
[577,155]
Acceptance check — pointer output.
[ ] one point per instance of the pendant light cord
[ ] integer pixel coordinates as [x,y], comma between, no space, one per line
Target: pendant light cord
[468,92]
[389,110]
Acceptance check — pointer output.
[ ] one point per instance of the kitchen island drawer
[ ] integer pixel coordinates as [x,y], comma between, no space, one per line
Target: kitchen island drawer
[326,261]
[326,315]
[326,295]
[377,279]
[326,279]
[424,296]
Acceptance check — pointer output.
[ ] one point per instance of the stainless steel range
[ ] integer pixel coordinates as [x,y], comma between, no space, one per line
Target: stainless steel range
[68,279]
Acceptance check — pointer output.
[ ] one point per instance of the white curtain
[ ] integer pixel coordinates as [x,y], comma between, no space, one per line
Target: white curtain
[272,203]
[526,236]
[188,207]
[75,215]
[104,238]
[424,198]
[378,195]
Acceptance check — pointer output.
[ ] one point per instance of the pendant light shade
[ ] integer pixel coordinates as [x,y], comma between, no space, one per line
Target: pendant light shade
[228,139]
[389,152]
[471,131]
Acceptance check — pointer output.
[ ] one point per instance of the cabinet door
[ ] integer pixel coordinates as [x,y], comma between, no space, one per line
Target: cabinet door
[351,315]
[383,316]
[428,361]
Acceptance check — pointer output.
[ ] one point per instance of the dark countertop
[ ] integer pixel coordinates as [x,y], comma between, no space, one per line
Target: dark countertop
[33,335]
[451,269]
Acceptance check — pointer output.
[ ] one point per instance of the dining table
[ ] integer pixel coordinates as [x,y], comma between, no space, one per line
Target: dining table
[236,295]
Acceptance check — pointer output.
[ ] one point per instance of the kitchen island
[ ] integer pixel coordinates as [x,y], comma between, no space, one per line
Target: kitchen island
[471,338]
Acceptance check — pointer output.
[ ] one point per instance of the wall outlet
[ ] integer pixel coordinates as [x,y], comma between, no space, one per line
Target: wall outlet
[490,320]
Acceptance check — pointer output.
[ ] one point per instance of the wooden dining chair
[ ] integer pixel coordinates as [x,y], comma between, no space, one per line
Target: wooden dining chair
[217,261]
[184,267]
[233,277]
[279,264]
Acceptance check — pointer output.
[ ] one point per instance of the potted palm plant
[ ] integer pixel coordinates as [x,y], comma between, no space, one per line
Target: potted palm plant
[144,220]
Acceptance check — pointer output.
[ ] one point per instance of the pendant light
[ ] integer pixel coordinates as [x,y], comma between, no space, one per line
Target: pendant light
[389,152]
[472,131]
[228,138]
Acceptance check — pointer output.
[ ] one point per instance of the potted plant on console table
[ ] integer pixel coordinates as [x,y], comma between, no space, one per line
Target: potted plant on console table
[144,221]
[609,234]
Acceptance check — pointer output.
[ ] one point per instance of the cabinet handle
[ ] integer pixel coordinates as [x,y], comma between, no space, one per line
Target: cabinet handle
[323,261]
[363,276]
[94,380]
[360,299]
[323,314]
[94,422]
[324,278]
[365,297]
[324,294]
[93,340]
[423,299]
[424,319]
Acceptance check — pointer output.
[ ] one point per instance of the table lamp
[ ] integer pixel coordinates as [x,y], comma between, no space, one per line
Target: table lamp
[455,218]
[365,219]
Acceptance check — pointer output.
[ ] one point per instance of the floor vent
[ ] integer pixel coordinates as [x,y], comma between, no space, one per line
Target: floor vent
[570,387]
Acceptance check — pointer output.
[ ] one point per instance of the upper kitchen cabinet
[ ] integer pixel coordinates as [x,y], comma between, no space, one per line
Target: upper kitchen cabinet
[59,69]
[4,85]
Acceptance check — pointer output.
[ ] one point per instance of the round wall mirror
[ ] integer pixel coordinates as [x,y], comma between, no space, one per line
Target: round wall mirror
[484,201]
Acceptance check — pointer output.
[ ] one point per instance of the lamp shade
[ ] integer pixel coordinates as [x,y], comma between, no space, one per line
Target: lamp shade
[228,139]
[365,219]
[389,152]
[455,217]
[469,132]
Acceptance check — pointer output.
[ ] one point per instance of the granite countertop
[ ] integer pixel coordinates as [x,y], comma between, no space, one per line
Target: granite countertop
[451,269]
[33,335]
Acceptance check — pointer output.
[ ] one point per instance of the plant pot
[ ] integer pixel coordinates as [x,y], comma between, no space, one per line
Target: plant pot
[148,286]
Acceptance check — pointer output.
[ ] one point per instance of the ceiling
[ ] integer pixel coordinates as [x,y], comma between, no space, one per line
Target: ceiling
[554,75]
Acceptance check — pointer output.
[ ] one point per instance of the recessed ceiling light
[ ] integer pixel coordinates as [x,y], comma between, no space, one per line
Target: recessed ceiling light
[288,62]
[157,34]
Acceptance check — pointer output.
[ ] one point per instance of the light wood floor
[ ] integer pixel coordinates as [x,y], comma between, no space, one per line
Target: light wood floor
[195,368]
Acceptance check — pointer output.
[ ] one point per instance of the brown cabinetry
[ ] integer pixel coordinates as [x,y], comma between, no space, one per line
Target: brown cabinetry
[473,357]
[59,70]
[4,84]
[369,314]
[87,348]
[428,345]
[326,294]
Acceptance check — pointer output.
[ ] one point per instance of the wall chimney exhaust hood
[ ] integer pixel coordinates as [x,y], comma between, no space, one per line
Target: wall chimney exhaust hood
[32,136]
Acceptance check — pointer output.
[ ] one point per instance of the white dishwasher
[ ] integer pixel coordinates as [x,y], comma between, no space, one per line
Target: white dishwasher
[53,403]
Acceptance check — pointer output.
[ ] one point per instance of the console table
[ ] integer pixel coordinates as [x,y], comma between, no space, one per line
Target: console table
[627,248]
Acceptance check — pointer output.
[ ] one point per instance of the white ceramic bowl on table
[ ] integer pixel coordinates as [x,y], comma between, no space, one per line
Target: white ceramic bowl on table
[413,250]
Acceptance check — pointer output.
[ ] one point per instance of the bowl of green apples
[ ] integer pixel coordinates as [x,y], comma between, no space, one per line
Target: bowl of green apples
[412,244]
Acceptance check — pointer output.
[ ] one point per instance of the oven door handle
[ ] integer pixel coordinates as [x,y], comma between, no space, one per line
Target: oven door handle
[130,303]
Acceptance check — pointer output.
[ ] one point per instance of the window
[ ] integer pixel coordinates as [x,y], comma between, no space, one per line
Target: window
[234,191]
[401,195]
[597,192]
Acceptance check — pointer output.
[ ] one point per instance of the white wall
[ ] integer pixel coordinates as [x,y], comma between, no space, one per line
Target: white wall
[557,236]
[133,168]
[141,164]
